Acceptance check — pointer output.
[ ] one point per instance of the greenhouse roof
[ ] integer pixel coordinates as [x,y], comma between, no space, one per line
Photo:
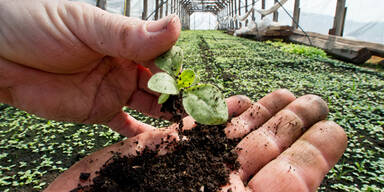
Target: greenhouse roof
[204,5]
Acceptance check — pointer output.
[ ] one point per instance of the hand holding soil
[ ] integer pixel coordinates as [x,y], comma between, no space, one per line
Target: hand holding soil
[70,61]
[286,145]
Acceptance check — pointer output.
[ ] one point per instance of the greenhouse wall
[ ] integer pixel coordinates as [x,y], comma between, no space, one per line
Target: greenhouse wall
[364,19]
[315,16]
[203,21]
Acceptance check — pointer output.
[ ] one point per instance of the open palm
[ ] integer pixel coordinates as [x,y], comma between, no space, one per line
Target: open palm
[73,62]
[286,145]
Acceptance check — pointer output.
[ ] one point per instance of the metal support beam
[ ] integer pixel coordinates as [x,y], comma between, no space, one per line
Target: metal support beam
[212,6]
[233,8]
[188,21]
[182,18]
[166,8]
[262,7]
[145,9]
[127,8]
[101,4]
[296,14]
[172,6]
[239,12]
[276,14]
[339,19]
[236,22]
[180,8]
[253,11]
[246,11]
[219,5]
[229,14]
[156,9]
[161,9]
[177,10]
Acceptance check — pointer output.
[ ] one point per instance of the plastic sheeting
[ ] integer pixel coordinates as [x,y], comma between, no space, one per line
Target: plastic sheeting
[364,19]
[117,6]
[203,21]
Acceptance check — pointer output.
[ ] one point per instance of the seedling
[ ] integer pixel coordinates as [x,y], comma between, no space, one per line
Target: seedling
[204,102]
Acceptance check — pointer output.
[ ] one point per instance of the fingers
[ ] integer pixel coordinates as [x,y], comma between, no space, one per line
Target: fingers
[143,99]
[120,36]
[146,103]
[70,37]
[237,105]
[49,44]
[303,166]
[93,162]
[266,143]
[128,126]
[259,113]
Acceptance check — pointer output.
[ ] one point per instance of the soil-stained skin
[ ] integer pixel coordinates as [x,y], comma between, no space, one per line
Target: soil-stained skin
[203,160]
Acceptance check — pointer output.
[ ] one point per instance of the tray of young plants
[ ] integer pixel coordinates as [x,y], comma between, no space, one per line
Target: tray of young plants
[34,151]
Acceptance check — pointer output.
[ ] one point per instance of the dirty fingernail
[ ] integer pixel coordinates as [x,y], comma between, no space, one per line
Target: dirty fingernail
[159,25]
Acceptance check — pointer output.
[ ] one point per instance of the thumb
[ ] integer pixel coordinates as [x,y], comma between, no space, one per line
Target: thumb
[120,36]
[128,126]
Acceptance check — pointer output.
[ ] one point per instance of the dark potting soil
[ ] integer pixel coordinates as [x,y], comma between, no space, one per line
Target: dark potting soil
[200,163]
[174,106]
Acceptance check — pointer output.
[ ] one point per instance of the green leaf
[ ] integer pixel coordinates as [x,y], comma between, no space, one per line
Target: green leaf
[196,80]
[163,83]
[171,61]
[163,98]
[205,104]
[177,58]
[186,79]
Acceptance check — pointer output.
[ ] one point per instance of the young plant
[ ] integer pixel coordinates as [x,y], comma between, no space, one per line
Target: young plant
[204,102]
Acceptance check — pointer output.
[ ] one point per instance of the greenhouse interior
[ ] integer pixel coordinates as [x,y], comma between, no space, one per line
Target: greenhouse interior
[312,73]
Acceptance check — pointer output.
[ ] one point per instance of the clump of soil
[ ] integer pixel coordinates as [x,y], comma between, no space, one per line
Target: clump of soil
[200,163]
[174,106]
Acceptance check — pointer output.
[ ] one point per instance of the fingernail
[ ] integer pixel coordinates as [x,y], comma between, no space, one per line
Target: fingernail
[159,25]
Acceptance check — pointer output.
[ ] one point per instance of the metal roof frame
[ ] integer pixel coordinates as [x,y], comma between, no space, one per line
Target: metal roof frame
[213,6]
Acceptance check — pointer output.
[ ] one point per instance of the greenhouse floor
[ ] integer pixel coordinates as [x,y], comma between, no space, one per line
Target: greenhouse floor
[33,151]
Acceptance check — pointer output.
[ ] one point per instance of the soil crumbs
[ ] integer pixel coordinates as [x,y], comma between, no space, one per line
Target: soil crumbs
[200,163]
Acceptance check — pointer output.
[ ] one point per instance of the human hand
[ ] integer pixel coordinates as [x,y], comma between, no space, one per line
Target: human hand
[70,61]
[288,146]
